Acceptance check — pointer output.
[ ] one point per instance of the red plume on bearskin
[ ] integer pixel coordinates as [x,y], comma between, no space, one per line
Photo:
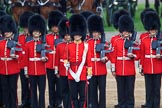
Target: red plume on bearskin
[63,27]
[54,18]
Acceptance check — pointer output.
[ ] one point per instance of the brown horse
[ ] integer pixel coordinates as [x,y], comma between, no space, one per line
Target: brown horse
[46,6]
[18,7]
[42,7]
[81,5]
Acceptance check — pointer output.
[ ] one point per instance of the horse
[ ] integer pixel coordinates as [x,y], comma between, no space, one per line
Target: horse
[43,7]
[46,6]
[156,5]
[17,7]
[82,5]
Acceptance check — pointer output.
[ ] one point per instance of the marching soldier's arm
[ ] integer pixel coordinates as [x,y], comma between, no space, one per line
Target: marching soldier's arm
[57,60]
[26,60]
[113,60]
[89,63]
[142,57]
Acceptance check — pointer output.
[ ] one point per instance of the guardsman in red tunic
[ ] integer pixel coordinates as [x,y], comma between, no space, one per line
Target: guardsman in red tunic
[150,60]
[99,69]
[35,64]
[116,17]
[2,13]
[123,64]
[79,57]
[23,38]
[9,63]
[143,35]
[61,61]
[53,81]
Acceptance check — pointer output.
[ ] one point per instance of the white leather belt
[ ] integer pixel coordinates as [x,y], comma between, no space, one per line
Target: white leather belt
[52,52]
[150,56]
[95,59]
[35,59]
[61,60]
[123,58]
[6,59]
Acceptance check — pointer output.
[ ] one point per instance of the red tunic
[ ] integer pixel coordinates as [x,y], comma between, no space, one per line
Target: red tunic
[8,65]
[98,67]
[75,52]
[51,56]
[61,55]
[35,67]
[150,64]
[124,66]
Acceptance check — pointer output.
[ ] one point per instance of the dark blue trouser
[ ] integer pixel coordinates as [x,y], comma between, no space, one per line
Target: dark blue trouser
[99,84]
[54,88]
[25,89]
[9,89]
[152,86]
[39,81]
[1,98]
[125,91]
[78,88]
[65,91]
[90,94]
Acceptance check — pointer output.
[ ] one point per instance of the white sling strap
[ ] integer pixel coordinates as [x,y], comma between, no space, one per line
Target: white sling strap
[76,75]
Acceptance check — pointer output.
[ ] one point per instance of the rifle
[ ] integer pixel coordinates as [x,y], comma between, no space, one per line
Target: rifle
[41,48]
[29,38]
[57,41]
[129,44]
[156,44]
[11,44]
[101,47]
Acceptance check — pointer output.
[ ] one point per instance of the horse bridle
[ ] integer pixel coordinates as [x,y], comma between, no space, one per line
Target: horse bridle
[81,4]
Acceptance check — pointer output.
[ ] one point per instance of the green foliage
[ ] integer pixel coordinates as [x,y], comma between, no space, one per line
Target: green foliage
[137,20]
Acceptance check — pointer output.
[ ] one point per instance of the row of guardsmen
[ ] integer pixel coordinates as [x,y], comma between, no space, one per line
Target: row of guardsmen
[75,63]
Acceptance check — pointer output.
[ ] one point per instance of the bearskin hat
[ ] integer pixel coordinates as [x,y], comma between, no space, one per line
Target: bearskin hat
[7,24]
[78,26]
[63,26]
[54,18]
[95,23]
[37,23]
[2,13]
[126,24]
[144,12]
[23,20]
[151,21]
[117,15]
[86,14]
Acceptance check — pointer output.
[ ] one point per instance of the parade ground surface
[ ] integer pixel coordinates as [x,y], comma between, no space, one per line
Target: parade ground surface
[111,89]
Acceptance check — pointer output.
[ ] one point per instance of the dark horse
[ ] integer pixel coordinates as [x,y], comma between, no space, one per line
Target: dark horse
[17,7]
[42,7]
[45,6]
[90,5]
[156,5]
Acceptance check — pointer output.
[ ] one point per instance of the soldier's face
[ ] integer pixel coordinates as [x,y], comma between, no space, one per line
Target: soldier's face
[126,34]
[153,32]
[26,30]
[77,37]
[8,34]
[96,35]
[67,37]
[55,29]
[36,34]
